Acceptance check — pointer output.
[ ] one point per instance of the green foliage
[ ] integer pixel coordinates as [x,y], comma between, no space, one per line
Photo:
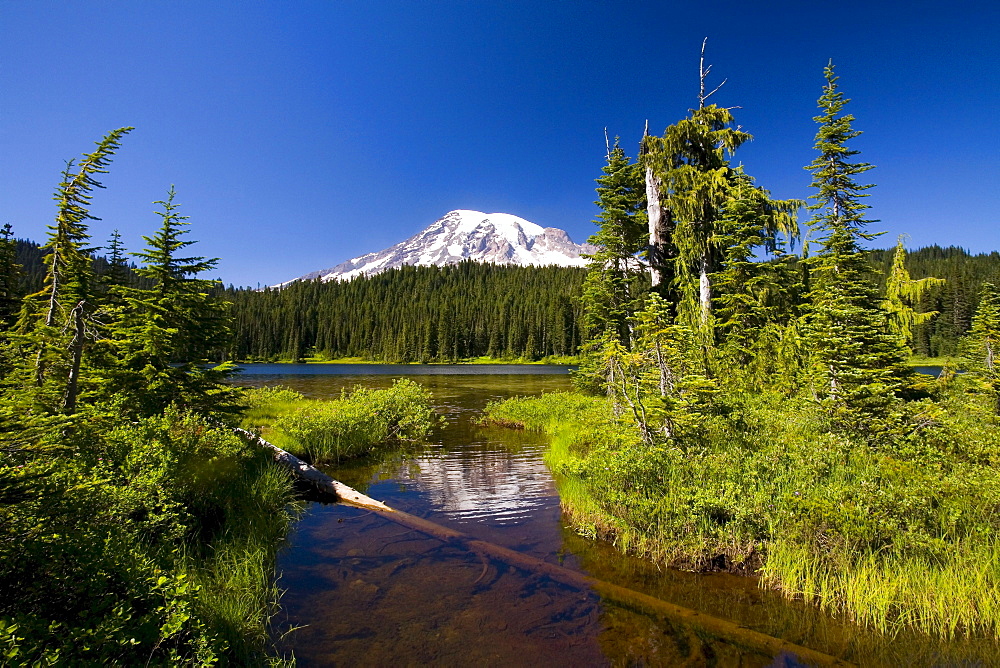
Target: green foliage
[114,559]
[981,350]
[158,350]
[10,275]
[755,299]
[357,423]
[857,364]
[54,320]
[765,485]
[902,293]
[615,277]
[133,531]
[691,158]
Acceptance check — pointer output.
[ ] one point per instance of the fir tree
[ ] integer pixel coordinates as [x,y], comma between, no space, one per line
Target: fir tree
[982,350]
[610,290]
[857,363]
[57,315]
[902,293]
[755,299]
[10,277]
[169,332]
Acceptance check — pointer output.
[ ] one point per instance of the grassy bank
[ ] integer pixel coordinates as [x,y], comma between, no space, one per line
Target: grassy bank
[918,360]
[551,359]
[890,536]
[333,430]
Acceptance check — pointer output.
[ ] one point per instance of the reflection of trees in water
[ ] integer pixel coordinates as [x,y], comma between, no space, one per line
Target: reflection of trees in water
[483,482]
[362,472]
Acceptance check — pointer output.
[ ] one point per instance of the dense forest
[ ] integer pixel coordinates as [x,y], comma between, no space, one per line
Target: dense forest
[416,314]
[435,314]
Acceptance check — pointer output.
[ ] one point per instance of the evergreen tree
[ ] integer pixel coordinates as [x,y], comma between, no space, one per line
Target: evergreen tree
[755,300]
[168,332]
[117,266]
[10,277]
[694,166]
[982,350]
[857,363]
[610,289]
[902,293]
[56,316]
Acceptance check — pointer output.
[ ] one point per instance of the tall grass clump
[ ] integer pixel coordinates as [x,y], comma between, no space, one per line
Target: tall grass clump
[902,535]
[358,422]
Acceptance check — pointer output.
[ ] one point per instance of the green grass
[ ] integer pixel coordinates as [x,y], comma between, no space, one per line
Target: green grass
[316,359]
[352,426]
[900,536]
[918,360]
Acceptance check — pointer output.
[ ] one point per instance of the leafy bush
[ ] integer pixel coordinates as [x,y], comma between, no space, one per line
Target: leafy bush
[120,556]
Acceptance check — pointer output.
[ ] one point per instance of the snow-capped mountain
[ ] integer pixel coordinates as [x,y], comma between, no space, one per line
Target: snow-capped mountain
[499,238]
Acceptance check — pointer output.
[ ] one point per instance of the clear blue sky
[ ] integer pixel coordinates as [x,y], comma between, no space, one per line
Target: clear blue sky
[300,134]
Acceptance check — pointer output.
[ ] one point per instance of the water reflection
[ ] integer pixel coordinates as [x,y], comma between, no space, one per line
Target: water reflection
[368,592]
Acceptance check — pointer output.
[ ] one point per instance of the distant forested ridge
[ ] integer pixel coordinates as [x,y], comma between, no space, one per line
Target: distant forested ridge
[416,314]
[955,301]
[29,255]
[423,314]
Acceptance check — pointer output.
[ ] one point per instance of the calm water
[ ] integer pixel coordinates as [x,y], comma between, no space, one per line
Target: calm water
[366,592]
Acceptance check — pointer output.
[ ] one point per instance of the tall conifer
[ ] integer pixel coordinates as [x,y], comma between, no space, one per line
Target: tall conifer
[57,315]
[857,363]
[169,332]
[609,291]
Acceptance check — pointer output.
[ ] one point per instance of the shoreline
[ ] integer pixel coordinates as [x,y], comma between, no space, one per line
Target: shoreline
[567,361]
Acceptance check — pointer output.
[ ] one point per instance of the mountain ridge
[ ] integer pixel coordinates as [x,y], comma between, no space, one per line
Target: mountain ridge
[463,234]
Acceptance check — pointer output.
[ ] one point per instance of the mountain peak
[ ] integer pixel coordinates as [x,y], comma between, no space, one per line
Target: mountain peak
[499,238]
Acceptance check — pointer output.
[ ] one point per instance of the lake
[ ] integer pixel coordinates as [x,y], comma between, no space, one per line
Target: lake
[362,591]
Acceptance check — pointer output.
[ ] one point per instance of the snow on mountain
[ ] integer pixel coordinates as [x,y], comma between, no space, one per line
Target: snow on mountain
[499,238]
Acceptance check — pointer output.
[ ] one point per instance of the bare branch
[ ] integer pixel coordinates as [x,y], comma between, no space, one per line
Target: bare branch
[703,75]
[714,91]
[607,144]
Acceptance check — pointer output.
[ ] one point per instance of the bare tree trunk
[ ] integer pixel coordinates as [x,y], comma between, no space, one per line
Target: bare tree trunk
[76,356]
[654,210]
[659,219]
[704,291]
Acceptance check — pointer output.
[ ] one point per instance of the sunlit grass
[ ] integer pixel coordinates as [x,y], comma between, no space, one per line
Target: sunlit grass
[337,429]
[900,537]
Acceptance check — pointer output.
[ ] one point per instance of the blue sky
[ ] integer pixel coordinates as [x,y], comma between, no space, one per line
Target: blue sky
[300,134]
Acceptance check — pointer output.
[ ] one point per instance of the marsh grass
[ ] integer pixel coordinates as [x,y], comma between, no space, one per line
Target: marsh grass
[897,536]
[353,425]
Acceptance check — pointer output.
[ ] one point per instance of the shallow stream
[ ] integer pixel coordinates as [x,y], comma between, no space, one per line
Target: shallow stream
[362,591]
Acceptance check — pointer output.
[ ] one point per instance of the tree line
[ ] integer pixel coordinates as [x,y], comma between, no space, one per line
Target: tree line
[415,314]
[525,305]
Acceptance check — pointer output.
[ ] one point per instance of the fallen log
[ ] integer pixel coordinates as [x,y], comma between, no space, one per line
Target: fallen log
[716,626]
